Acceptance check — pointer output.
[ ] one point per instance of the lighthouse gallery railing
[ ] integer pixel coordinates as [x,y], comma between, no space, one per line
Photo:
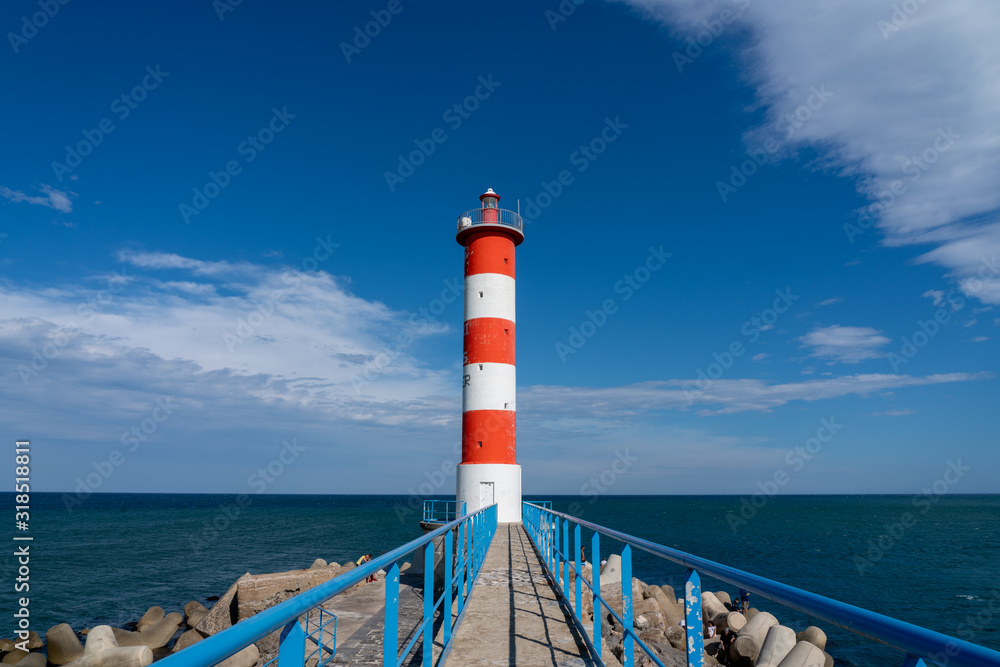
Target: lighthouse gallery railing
[475,532]
[502,215]
[549,531]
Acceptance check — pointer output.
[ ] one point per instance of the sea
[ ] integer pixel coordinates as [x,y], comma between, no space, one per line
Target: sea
[929,560]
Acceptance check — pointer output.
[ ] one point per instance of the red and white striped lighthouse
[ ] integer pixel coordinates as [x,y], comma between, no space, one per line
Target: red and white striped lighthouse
[489,472]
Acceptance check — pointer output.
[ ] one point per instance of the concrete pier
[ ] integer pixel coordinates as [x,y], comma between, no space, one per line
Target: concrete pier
[514,617]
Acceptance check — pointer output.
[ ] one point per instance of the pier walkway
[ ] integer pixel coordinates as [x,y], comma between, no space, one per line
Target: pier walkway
[514,616]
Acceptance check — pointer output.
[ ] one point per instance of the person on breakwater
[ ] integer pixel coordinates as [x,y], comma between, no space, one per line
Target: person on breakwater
[361,561]
[726,640]
[745,599]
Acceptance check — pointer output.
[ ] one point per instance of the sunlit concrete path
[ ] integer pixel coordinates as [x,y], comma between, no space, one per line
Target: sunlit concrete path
[514,616]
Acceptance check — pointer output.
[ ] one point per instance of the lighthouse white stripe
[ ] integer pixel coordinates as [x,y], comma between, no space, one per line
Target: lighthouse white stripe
[489,387]
[489,295]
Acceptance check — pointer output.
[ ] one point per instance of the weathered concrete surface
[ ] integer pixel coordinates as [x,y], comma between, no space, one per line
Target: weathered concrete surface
[514,617]
[223,614]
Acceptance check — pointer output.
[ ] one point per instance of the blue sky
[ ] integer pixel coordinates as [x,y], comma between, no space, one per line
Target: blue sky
[225,228]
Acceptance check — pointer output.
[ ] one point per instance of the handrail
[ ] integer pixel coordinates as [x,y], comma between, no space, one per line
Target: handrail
[916,642]
[481,527]
[433,512]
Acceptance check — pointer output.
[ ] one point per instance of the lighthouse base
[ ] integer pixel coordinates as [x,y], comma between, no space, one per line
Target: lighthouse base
[482,484]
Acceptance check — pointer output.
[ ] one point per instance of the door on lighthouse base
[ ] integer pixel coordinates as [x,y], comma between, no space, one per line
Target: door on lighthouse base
[486,494]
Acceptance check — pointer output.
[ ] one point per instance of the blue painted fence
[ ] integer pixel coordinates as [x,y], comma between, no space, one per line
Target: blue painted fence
[550,532]
[462,561]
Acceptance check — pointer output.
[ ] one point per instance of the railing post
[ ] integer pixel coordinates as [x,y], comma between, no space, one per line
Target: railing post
[475,547]
[468,559]
[595,582]
[629,643]
[692,620]
[293,646]
[460,566]
[579,571]
[567,558]
[913,661]
[556,552]
[428,602]
[390,634]
[550,528]
[446,605]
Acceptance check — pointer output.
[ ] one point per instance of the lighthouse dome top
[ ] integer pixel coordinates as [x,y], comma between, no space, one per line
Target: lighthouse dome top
[489,217]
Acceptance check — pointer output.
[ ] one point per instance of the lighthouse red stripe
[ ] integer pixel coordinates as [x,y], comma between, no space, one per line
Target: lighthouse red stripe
[490,252]
[489,436]
[489,340]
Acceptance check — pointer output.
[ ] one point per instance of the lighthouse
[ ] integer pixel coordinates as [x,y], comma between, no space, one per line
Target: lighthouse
[489,472]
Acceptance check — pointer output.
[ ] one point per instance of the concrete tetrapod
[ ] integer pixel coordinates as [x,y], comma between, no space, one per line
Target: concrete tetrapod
[153,636]
[319,562]
[750,639]
[196,617]
[723,597]
[192,636]
[192,606]
[14,657]
[778,642]
[733,620]
[63,645]
[152,615]
[612,570]
[803,654]
[32,660]
[711,607]
[102,651]
[245,658]
[814,636]
[100,639]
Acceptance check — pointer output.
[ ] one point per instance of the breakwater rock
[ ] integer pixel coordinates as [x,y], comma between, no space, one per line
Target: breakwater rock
[732,637]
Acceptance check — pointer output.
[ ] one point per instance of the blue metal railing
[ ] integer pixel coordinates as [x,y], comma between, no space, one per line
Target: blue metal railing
[549,531]
[546,504]
[442,511]
[461,568]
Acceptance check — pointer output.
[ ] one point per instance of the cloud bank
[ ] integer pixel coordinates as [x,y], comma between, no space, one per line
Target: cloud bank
[912,119]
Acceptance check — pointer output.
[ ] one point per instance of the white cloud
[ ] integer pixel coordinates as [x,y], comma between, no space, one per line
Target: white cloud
[981,339]
[57,199]
[893,413]
[96,354]
[720,397]
[848,345]
[830,302]
[162,260]
[935,294]
[914,103]
[760,356]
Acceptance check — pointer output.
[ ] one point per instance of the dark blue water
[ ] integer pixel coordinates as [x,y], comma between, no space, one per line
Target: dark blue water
[115,555]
